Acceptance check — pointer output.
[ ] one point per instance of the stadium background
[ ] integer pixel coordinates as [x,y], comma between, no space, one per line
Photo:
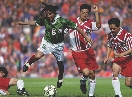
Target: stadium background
[18,43]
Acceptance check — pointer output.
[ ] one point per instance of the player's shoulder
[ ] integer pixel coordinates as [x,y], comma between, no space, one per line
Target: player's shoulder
[73,19]
[126,33]
[90,20]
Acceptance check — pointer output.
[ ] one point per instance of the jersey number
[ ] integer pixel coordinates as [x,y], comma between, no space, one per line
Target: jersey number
[53,32]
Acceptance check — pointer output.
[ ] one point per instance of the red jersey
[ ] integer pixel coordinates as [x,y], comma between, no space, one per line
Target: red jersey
[77,41]
[121,42]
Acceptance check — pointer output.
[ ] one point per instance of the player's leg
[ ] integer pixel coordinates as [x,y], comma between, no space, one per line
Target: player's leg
[92,83]
[60,75]
[115,81]
[44,48]
[20,86]
[32,59]
[128,82]
[59,55]
[83,80]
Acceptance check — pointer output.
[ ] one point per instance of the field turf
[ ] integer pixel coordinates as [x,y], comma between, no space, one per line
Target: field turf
[70,87]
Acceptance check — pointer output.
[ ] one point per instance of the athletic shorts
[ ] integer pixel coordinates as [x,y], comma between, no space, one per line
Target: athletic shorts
[4,83]
[85,59]
[55,49]
[126,65]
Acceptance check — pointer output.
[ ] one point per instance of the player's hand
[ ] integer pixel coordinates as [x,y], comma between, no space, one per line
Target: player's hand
[20,23]
[95,8]
[105,60]
[88,39]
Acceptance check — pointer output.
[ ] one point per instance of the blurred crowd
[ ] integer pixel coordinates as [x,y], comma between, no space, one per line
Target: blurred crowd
[19,43]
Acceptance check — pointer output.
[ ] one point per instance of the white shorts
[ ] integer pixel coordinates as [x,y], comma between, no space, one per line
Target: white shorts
[55,49]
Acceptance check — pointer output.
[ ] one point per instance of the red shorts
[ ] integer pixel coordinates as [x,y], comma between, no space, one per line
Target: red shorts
[4,83]
[126,65]
[85,59]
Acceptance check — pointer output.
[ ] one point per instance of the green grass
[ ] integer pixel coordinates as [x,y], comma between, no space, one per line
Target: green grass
[70,87]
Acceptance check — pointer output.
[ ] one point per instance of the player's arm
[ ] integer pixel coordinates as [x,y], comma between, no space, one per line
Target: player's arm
[124,53]
[88,39]
[27,23]
[97,18]
[107,54]
[73,25]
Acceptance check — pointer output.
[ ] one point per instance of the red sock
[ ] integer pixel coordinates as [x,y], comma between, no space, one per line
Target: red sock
[32,59]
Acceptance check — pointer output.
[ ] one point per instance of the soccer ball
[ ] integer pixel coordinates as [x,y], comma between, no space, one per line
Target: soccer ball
[50,91]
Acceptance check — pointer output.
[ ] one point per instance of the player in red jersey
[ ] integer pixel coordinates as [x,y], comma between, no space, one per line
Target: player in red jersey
[82,52]
[121,41]
[6,83]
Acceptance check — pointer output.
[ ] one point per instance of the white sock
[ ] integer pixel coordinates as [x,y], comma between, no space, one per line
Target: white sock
[92,84]
[20,84]
[116,86]
[2,92]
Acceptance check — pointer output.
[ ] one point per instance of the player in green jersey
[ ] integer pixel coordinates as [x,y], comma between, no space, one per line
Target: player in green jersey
[53,40]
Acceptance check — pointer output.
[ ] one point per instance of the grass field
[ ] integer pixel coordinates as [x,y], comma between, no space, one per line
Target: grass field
[70,87]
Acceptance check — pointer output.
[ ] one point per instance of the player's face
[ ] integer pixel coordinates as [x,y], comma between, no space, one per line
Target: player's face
[84,14]
[114,29]
[50,15]
[1,74]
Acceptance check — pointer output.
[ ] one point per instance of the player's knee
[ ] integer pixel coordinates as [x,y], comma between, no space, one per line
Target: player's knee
[13,81]
[86,73]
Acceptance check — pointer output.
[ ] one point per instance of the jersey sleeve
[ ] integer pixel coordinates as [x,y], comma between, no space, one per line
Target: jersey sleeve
[70,24]
[128,40]
[94,28]
[40,22]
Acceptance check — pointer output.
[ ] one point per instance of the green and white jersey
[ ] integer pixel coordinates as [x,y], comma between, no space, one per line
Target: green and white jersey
[54,32]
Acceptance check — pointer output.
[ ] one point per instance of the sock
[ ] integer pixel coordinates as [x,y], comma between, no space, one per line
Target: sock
[61,69]
[32,60]
[2,92]
[84,79]
[92,84]
[20,84]
[116,86]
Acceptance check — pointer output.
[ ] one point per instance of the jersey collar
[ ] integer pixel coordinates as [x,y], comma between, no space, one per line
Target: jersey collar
[56,17]
[79,21]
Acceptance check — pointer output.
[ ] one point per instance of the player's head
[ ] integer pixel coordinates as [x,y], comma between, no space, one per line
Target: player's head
[3,72]
[85,9]
[49,11]
[114,25]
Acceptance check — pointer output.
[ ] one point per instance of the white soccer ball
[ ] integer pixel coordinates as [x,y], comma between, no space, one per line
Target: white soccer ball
[50,91]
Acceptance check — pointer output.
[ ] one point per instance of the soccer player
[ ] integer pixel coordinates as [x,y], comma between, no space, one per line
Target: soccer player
[82,52]
[6,83]
[52,42]
[121,41]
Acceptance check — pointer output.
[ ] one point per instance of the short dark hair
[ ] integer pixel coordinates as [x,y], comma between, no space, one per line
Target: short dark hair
[4,70]
[115,21]
[51,8]
[85,6]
